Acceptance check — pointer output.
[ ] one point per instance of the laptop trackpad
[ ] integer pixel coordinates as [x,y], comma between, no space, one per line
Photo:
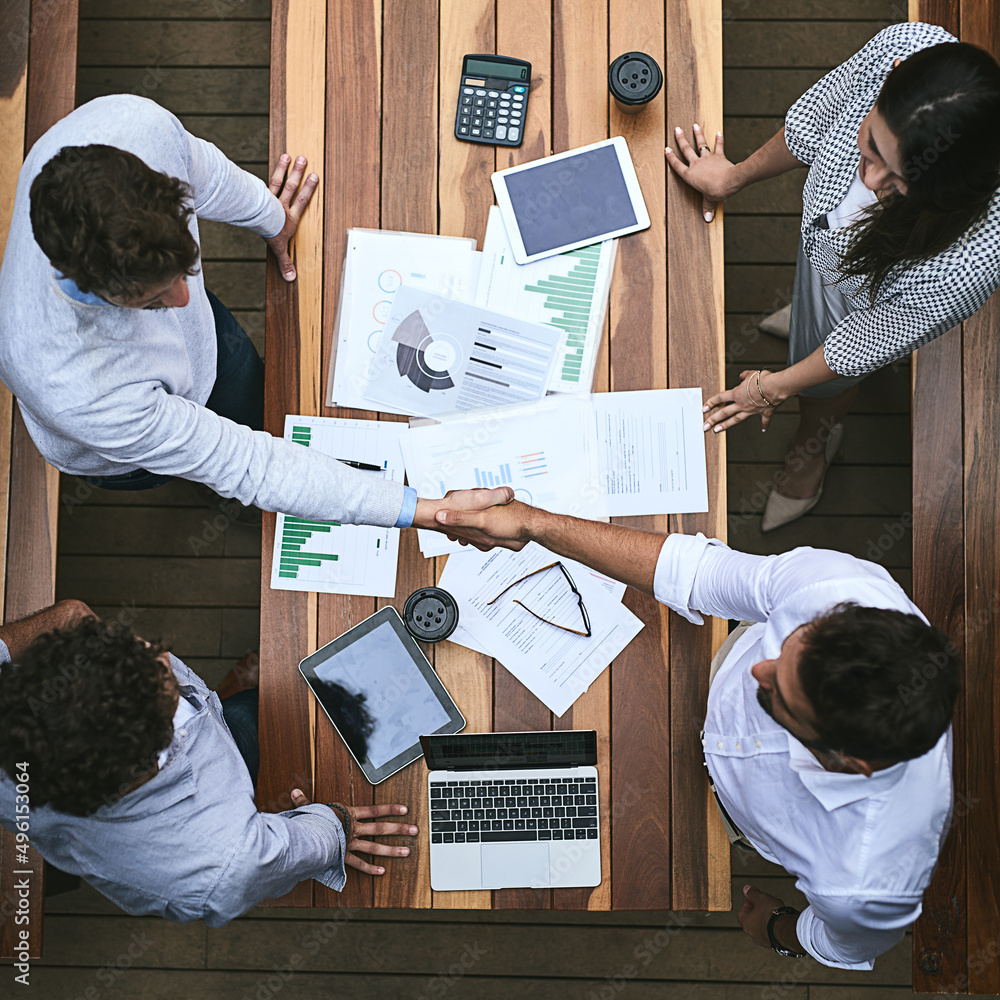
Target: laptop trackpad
[506,865]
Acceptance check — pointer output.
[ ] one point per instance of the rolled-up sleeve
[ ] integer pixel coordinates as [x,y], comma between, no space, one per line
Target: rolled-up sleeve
[279,851]
[850,934]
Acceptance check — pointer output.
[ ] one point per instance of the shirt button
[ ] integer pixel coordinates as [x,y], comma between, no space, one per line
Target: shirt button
[737,746]
[720,744]
[182,732]
[757,742]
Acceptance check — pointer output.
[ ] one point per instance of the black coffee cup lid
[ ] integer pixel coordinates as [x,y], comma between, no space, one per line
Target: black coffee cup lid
[634,78]
[430,614]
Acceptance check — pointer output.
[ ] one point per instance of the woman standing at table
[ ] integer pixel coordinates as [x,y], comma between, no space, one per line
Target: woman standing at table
[900,236]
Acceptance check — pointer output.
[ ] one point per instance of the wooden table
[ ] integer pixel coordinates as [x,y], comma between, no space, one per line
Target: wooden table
[367,91]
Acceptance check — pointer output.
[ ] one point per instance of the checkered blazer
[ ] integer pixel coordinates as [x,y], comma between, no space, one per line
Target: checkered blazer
[913,306]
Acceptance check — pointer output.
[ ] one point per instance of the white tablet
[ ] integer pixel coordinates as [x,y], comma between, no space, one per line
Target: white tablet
[570,200]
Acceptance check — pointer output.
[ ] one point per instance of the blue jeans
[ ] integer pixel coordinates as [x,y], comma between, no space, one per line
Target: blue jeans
[240,713]
[238,393]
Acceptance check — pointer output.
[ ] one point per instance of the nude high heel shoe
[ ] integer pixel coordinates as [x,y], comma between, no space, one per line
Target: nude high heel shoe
[782,510]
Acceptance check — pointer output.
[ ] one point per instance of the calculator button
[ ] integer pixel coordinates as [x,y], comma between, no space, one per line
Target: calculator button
[513,133]
[480,93]
[466,100]
[477,121]
[501,132]
[519,90]
[502,121]
[477,131]
[494,93]
[464,120]
[491,104]
[480,102]
[467,90]
[463,130]
[516,114]
[487,133]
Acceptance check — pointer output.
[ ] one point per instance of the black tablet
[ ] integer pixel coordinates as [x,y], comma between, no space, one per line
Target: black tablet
[381,694]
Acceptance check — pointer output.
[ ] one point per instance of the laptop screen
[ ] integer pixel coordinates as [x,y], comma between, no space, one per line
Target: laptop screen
[510,751]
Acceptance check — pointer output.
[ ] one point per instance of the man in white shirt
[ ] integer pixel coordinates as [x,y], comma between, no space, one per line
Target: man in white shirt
[828,724]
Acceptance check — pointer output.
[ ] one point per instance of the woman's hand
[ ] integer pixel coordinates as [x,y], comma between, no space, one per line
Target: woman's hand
[727,409]
[710,173]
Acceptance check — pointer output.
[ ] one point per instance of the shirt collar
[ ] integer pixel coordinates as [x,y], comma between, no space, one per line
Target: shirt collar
[69,287]
[833,789]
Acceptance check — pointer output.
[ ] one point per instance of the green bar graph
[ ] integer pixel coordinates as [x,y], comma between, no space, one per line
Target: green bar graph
[296,534]
[570,300]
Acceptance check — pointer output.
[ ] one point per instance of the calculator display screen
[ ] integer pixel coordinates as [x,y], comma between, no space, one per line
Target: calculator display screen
[570,200]
[485,67]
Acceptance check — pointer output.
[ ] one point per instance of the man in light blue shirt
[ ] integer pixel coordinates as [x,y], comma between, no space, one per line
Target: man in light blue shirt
[136,784]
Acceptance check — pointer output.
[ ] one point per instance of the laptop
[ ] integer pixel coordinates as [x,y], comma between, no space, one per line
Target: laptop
[512,810]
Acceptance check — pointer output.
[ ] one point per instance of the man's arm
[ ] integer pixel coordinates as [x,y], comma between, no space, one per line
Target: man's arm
[19,635]
[626,554]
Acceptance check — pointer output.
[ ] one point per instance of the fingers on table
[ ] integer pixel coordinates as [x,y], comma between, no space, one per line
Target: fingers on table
[371,847]
[386,829]
[367,812]
[278,177]
[362,866]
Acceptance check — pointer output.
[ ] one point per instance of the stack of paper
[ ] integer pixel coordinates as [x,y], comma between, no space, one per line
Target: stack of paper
[610,454]
[327,556]
[376,263]
[555,665]
[568,292]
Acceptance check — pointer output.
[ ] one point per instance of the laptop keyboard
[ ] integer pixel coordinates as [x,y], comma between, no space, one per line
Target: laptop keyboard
[520,809]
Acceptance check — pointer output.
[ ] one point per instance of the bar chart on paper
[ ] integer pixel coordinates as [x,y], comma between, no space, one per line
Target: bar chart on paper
[568,291]
[327,556]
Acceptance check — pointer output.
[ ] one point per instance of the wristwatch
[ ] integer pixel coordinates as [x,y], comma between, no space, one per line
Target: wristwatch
[775,947]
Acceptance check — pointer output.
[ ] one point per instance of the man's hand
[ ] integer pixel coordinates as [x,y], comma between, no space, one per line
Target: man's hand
[19,635]
[756,912]
[456,501]
[360,831]
[294,200]
[508,526]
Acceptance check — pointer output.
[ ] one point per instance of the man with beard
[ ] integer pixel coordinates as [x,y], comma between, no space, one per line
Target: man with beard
[827,735]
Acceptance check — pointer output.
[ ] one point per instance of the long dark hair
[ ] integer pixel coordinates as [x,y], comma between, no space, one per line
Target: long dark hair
[943,106]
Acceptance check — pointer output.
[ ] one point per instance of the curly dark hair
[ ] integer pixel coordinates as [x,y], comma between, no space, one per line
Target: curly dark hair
[110,223]
[89,707]
[882,684]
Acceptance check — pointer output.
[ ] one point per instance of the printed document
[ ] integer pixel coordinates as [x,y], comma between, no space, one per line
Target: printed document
[439,356]
[326,556]
[555,665]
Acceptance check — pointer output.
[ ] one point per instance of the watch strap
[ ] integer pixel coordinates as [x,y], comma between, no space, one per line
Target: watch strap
[345,818]
[775,947]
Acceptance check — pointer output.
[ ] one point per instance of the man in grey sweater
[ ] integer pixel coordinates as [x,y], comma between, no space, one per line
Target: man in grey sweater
[126,371]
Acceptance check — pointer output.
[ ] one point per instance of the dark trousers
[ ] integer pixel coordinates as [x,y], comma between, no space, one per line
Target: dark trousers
[238,393]
[240,713]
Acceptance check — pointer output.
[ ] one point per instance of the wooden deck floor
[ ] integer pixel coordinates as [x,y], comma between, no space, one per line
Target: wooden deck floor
[181,577]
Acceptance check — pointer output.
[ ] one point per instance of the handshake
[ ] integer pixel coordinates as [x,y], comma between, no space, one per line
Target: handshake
[484,518]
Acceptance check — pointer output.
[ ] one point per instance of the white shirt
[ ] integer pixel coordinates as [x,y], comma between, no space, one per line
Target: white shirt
[862,849]
[852,208]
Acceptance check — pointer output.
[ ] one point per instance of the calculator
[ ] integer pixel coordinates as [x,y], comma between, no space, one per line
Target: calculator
[492,100]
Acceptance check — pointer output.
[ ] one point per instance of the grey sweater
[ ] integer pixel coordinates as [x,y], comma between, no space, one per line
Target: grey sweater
[105,390]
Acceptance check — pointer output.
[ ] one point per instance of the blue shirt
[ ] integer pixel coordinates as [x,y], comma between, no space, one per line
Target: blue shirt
[189,844]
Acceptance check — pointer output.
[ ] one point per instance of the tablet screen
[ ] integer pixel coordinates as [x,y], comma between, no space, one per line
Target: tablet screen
[577,198]
[377,696]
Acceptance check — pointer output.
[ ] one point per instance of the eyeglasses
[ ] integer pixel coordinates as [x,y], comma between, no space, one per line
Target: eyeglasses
[586,633]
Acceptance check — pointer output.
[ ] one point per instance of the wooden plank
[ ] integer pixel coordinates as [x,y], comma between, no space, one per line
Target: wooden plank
[766,91]
[352,194]
[464,197]
[242,138]
[292,385]
[173,43]
[700,851]
[804,43]
[182,9]
[886,11]
[580,117]
[640,720]
[758,239]
[410,136]
[526,30]
[183,91]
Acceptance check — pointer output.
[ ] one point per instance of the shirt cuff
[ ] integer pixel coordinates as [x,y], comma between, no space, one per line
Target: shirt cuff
[409,509]
[335,877]
[4,652]
[808,928]
[676,567]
